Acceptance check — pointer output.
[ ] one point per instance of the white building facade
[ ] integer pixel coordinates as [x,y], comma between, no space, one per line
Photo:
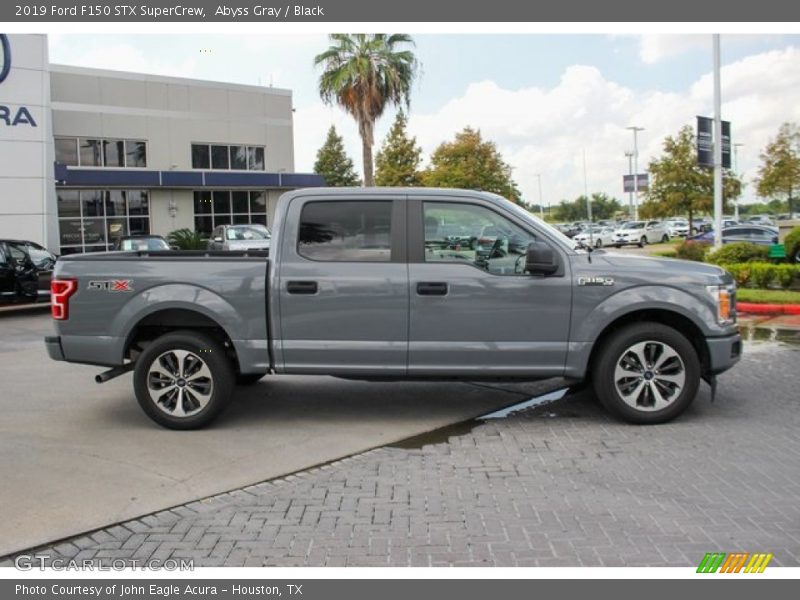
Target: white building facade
[91,155]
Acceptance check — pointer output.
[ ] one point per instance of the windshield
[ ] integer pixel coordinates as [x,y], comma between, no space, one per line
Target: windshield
[633,225]
[247,232]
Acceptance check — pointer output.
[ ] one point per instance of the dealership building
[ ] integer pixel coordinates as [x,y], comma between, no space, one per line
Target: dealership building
[90,155]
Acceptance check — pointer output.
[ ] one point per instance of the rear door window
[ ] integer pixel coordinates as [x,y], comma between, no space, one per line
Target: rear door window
[346,231]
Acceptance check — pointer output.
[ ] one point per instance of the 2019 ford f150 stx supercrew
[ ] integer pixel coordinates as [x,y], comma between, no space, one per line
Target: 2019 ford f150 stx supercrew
[397,284]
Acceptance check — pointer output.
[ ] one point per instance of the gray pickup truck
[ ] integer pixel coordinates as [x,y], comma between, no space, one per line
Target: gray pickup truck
[397,284]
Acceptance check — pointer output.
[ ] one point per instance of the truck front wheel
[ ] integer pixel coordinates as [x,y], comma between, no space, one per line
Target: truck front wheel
[183,380]
[646,373]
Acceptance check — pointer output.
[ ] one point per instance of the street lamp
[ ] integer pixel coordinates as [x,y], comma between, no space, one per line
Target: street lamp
[629,154]
[636,131]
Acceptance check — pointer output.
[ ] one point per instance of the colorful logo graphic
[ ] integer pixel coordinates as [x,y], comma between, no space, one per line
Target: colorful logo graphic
[5,57]
[736,562]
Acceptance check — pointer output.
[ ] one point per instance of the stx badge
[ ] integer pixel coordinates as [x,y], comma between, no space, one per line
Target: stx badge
[595,281]
[112,285]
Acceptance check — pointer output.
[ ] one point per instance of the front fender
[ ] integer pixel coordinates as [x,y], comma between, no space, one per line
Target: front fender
[589,322]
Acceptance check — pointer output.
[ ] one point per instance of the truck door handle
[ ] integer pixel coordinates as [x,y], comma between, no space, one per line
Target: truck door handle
[301,287]
[428,288]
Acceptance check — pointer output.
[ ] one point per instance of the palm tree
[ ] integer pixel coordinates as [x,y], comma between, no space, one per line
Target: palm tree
[364,73]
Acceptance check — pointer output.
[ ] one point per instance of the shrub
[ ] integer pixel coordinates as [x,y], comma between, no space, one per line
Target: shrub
[763,275]
[695,251]
[738,252]
[792,243]
[186,239]
[666,253]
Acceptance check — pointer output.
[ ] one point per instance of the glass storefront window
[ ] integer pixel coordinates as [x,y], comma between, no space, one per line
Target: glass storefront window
[222,202]
[240,202]
[219,157]
[201,158]
[67,151]
[238,207]
[135,153]
[258,202]
[92,220]
[255,158]
[114,153]
[239,157]
[91,153]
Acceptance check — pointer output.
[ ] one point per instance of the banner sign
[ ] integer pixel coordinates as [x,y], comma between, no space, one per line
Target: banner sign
[643,183]
[705,142]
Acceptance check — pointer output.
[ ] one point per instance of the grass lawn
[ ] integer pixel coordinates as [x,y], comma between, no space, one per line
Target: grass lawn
[768,296]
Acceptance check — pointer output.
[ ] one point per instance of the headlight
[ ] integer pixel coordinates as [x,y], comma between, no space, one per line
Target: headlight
[724,297]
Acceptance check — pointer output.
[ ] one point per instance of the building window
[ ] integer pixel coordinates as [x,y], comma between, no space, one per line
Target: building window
[223,207]
[95,152]
[93,220]
[236,157]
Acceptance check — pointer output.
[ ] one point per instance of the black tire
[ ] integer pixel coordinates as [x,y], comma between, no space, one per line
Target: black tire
[665,239]
[249,378]
[598,243]
[205,398]
[642,242]
[619,347]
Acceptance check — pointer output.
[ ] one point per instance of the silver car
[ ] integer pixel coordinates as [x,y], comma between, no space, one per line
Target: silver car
[240,237]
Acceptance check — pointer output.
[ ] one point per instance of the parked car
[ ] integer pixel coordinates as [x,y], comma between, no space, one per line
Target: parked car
[567,229]
[640,233]
[240,237]
[755,234]
[25,270]
[149,243]
[596,236]
[761,220]
[677,227]
[351,289]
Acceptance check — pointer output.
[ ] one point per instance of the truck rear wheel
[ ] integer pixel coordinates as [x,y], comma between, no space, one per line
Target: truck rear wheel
[183,380]
[646,373]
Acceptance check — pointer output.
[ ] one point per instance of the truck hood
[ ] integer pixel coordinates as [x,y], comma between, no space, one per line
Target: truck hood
[660,269]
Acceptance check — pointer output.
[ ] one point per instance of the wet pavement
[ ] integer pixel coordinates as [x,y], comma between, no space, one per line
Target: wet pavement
[544,481]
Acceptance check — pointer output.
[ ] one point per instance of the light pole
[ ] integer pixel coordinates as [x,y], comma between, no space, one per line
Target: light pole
[717,146]
[736,170]
[629,154]
[635,131]
[541,206]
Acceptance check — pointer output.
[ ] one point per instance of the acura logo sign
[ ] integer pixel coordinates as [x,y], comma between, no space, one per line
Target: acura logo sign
[5,57]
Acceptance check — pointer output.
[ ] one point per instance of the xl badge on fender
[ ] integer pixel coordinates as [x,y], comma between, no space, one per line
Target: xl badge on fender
[112,285]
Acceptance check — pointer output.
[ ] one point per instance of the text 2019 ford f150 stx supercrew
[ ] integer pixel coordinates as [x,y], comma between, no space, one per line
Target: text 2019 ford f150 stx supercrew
[392,283]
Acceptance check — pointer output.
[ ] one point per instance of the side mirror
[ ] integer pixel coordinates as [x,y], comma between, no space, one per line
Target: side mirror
[540,259]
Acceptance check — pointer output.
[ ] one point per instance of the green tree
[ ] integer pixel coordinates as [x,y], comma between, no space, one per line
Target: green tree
[603,207]
[397,162]
[469,162]
[333,163]
[779,173]
[364,73]
[678,185]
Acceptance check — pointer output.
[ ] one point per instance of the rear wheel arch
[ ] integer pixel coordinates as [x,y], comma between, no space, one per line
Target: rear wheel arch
[162,322]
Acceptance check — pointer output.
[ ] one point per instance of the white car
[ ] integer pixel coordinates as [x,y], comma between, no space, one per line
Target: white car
[677,227]
[641,233]
[600,236]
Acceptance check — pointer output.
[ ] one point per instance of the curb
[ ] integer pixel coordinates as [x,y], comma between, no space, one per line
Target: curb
[768,309]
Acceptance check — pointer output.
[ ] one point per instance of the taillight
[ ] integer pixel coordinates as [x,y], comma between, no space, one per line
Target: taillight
[60,292]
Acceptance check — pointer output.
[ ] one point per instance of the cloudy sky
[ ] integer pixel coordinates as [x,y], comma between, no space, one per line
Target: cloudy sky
[546,100]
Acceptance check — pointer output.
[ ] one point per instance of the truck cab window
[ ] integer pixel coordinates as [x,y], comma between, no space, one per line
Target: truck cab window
[346,231]
[475,235]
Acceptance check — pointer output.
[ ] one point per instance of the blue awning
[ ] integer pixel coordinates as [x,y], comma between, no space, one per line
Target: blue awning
[143,178]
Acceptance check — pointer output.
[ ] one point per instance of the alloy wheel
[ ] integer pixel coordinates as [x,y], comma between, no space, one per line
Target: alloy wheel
[179,383]
[649,375]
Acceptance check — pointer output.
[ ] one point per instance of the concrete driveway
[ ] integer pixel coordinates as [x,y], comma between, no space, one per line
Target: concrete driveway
[79,456]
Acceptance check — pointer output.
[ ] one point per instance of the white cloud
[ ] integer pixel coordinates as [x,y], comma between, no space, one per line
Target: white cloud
[655,48]
[546,130]
[121,57]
